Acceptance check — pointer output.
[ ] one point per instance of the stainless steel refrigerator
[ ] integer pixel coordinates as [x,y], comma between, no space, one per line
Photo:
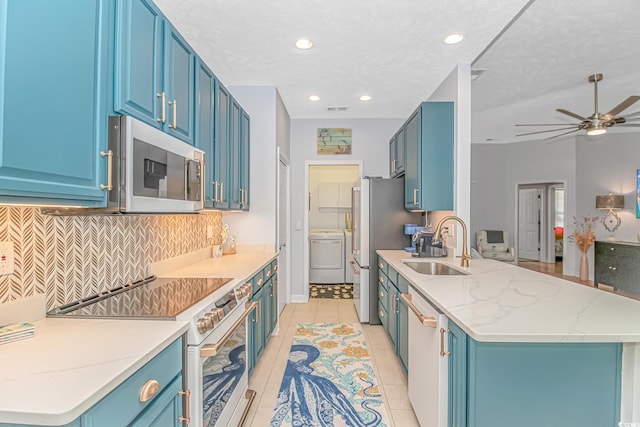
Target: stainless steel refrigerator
[378,223]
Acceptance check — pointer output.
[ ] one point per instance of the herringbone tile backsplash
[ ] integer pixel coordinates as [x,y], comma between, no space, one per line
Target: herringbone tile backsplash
[67,258]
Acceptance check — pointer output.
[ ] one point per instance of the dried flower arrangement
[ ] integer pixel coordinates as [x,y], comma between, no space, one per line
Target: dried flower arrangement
[583,235]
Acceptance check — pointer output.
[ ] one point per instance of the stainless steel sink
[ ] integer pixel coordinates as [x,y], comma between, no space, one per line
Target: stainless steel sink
[434,269]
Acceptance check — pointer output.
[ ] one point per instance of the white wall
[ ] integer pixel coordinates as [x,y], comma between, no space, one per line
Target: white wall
[325,218]
[370,139]
[283,127]
[269,128]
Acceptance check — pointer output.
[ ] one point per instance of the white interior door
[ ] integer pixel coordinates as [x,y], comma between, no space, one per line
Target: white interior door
[529,221]
[283,204]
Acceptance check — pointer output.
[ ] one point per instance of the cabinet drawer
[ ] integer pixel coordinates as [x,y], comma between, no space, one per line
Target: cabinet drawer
[258,280]
[382,265]
[123,404]
[383,314]
[383,289]
[393,276]
[605,249]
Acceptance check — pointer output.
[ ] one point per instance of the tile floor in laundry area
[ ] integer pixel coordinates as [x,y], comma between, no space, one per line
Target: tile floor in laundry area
[267,375]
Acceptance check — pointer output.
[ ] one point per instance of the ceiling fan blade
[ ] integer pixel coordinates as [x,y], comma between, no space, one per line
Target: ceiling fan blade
[629,125]
[544,131]
[546,124]
[569,113]
[630,115]
[563,134]
[623,106]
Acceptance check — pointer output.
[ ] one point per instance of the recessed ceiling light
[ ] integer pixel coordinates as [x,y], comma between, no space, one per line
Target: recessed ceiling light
[453,38]
[365,98]
[304,44]
[314,98]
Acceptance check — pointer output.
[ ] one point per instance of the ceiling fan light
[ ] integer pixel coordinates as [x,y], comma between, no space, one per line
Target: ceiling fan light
[596,130]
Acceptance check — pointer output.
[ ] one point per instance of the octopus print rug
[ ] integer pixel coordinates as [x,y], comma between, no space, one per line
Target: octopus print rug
[329,380]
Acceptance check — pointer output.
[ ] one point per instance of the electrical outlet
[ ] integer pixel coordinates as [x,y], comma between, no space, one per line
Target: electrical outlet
[209,231]
[7,258]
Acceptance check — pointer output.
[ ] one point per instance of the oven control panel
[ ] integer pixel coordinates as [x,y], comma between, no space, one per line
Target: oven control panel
[211,317]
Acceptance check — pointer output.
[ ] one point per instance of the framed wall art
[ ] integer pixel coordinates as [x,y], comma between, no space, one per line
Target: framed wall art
[333,141]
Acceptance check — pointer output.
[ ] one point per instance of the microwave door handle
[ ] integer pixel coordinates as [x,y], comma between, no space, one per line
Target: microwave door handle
[211,350]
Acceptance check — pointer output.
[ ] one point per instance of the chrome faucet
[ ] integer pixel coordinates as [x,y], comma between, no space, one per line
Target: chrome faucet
[436,237]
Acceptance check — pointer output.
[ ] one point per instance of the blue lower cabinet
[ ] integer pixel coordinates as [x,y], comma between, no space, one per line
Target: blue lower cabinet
[55,93]
[274,302]
[123,407]
[533,384]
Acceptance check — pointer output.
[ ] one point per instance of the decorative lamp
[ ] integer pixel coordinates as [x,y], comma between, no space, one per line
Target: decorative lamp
[611,220]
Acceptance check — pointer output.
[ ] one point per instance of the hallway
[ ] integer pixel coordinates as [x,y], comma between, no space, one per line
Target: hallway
[267,375]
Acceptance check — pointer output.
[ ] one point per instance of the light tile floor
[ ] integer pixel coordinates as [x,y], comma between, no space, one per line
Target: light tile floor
[267,375]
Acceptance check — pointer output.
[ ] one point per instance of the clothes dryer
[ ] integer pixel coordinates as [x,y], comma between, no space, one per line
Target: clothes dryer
[326,256]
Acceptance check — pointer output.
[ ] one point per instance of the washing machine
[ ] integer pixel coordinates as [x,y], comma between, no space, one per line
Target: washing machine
[348,258]
[326,256]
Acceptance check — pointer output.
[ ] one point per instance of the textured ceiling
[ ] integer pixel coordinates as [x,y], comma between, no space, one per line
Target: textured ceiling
[542,63]
[391,50]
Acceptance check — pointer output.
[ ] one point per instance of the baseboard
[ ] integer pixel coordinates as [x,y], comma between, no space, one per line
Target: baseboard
[299,299]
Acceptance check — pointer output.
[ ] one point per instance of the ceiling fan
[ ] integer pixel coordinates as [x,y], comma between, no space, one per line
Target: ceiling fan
[595,124]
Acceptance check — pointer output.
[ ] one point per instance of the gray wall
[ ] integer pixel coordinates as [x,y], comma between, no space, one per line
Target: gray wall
[283,127]
[370,138]
[497,170]
[589,167]
[269,128]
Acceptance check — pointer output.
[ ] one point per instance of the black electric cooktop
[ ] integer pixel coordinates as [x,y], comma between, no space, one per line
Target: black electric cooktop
[150,298]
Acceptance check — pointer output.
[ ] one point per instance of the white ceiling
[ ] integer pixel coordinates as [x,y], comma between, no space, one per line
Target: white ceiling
[543,60]
[391,50]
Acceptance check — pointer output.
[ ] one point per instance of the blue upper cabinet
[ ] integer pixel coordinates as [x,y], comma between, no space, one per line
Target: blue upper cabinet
[221,157]
[245,155]
[429,164]
[55,82]
[235,198]
[155,78]
[396,154]
[179,84]
[139,49]
[205,119]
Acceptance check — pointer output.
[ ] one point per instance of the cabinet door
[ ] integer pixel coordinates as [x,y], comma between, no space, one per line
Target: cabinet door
[393,316]
[253,339]
[399,152]
[403,333]
[179,85]
[457,376]
[205,95]
[138,53]
[55,77]
[221,147]
[165,410]
[245,159]
[234,160]
[435,175]
[412,165]
[274,302]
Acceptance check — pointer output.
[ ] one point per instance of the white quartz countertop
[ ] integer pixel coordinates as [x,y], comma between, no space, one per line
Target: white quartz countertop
[71,364]
[500,302]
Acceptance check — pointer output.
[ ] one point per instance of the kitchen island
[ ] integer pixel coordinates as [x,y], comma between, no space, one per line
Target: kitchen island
[518,347]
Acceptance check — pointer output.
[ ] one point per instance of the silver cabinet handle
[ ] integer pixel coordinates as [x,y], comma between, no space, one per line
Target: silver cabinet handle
[442,352]
[109,155]
[221,192]
[215,191]
[612,249]
[174,103]
[162,119]
[427,321]
[415,196]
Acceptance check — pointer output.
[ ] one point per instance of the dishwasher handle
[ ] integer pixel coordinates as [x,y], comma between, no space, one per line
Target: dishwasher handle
[430,322]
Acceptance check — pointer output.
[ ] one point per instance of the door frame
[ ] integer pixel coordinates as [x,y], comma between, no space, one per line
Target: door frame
[283,160]
[547,236]
[305,227]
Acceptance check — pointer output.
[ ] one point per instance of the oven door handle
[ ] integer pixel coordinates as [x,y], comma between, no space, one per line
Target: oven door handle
[211,350]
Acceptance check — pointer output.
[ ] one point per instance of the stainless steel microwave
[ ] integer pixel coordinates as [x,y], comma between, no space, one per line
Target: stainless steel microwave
[148,171]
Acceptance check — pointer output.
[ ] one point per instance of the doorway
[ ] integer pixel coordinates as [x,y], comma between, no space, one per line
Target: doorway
[283,209]
[327,228]
[540,226]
